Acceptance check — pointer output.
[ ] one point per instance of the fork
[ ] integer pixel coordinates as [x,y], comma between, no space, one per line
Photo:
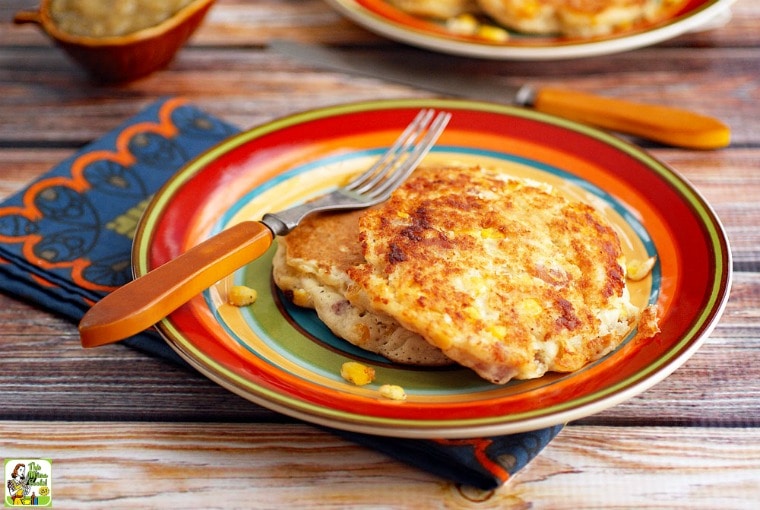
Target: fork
[146,300]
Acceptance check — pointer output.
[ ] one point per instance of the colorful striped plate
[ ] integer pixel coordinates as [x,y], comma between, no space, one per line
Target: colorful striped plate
[284,358]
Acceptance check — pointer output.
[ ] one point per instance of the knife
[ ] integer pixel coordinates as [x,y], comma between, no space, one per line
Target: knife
[664,124]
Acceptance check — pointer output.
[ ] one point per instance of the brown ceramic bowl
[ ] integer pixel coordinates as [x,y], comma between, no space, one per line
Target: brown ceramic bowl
[127,57]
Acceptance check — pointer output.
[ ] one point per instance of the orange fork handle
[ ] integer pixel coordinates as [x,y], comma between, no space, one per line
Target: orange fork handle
[143,302]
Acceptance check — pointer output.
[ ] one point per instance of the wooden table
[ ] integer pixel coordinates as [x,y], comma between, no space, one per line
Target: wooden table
[125,430]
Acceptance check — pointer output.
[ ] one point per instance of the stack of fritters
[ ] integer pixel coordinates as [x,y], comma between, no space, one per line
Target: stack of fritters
[310,266]
[501,275]
[578,18]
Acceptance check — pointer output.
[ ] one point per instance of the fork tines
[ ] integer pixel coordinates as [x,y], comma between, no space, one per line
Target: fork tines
[395,165]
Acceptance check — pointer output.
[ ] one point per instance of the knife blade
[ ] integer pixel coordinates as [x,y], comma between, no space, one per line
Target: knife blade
[665,124]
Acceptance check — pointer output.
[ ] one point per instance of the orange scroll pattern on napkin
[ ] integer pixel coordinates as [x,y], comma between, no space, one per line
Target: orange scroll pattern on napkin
[65,222]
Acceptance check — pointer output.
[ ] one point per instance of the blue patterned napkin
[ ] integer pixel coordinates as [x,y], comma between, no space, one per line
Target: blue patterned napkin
[65,241]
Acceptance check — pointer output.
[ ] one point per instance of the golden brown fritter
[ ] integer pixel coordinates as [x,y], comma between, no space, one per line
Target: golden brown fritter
[505,276]
[580,18]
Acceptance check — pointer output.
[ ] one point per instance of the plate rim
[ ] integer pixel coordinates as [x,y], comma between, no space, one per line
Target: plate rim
[412,428]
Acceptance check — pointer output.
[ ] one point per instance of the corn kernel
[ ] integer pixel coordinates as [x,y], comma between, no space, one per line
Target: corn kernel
[464,24]
[491,233]
[393,392]
[637,270]
[499,331]
[472,313]
[403,215]
[240,295]
[492,33]
[301,298]
[356,373]
[530,307]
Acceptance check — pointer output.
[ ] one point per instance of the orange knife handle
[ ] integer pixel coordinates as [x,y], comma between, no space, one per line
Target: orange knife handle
[143,302]
[671,126]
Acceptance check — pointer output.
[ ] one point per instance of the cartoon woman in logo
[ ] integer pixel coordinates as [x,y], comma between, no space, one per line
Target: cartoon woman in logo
[18,485]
